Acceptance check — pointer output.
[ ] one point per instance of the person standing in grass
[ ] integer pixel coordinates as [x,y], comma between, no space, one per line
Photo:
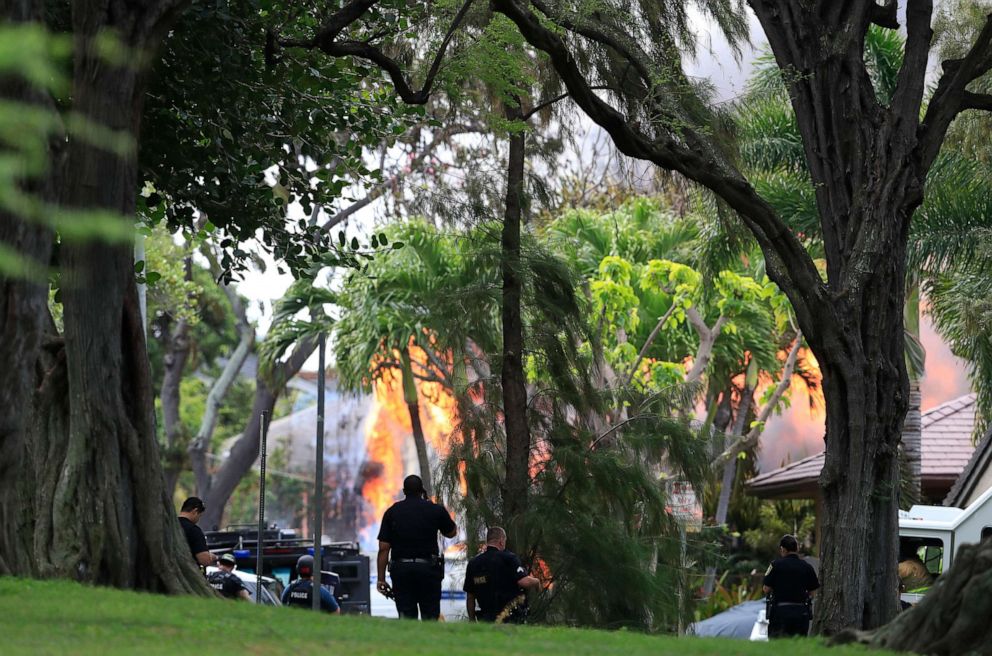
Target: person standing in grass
[791,582]
[409,535]
[189,515]
[226,582]
[498,582]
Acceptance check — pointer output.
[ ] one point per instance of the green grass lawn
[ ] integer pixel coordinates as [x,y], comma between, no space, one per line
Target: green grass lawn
[49,617]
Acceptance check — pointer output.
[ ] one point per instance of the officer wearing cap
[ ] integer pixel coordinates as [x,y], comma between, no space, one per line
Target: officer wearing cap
[497,581]
[298,592]
[791,582]
[408,544]
[225,581]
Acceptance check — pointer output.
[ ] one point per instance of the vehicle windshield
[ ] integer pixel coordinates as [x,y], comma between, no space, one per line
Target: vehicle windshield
[921,561]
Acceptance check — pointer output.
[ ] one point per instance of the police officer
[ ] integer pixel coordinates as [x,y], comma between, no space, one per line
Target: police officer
[497,581]
[225,581]
[408,544]
[189,515]
[298,592]
[791,582]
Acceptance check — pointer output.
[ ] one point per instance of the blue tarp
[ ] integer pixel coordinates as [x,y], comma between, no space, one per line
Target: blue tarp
[735,622]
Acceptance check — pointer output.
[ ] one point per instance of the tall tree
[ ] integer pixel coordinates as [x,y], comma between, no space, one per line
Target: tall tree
[868,161]
[97,510]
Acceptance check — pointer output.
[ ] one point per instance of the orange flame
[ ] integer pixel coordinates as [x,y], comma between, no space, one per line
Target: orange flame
[389,442]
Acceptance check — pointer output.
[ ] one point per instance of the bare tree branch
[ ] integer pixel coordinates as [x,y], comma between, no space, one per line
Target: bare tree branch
[749,440]
[650,340]
[381,189]
[707,337]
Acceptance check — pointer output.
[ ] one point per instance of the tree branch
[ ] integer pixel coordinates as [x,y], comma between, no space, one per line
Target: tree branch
[982,101]
[650,340]
[551,101]
[383,187]
[749,440]
[949,98]
[788,263]
[707,337]
[910,86]
[325,41]
[884,15]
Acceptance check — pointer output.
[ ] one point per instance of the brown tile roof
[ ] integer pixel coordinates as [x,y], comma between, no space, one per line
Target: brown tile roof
[947,448]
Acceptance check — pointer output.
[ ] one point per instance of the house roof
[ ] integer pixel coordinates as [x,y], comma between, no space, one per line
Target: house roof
[977,465]
[947,449]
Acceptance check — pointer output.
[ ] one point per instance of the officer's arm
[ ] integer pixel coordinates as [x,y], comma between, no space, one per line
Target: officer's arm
[470,606]
[244,595]
[529,582]
[768,583]
[380,562]
[205,558]
[329,602]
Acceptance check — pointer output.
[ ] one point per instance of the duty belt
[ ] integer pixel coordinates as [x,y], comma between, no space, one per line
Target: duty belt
[423,561]
[790,603]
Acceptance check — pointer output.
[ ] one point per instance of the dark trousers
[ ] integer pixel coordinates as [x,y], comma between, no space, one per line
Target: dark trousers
[417,586]
[787,621]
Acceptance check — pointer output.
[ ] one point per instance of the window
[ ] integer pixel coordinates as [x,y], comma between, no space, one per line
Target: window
[928,552]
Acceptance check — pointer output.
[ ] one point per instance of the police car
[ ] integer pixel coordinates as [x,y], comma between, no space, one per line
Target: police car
[271,588]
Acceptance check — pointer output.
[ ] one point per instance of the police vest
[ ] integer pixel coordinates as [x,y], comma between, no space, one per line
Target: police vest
[217,581]
[299,593]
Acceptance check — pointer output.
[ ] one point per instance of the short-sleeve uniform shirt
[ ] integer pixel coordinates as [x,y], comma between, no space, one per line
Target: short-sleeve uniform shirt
[411,527]
[492,577]
[194,536]
[792,579]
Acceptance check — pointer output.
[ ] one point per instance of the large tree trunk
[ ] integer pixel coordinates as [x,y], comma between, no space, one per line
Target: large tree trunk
[514,382]
[865,387]
[23,311]
[99,511]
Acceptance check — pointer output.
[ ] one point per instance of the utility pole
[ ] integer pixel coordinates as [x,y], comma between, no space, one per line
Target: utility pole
[263,434]
[318,493]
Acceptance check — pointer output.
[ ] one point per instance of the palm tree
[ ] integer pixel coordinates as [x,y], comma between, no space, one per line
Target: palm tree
[411,314]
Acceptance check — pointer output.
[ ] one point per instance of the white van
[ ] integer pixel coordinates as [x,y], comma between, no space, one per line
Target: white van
[935,533]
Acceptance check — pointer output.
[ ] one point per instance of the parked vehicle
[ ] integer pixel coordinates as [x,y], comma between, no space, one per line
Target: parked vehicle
[932,535]
[345,571]
[271,588]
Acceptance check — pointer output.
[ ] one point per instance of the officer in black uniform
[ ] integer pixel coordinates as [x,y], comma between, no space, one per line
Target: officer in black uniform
[189,515]
[226,582]
[298,592]
[409,535]
[498,582]
[791,582]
